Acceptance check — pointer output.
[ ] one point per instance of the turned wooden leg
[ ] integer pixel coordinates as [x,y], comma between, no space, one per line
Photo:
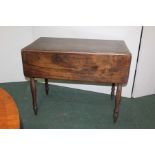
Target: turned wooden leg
[117,102]
[33,91]
[113,90]
[46,86]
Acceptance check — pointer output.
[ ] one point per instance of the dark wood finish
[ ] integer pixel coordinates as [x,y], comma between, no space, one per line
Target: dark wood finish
[46,86]
[9,115]
[34,98]
[70,45]
[76,66]
[77,59]
[113,90]
[117,102]
[84,60]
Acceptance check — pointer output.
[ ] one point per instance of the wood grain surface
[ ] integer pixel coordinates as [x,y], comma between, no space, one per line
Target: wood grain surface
[9,115]
[77,59]
[78,45]
[84,60]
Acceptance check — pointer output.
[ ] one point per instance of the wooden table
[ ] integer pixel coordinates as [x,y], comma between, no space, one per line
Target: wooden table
[84,60]
[9,115]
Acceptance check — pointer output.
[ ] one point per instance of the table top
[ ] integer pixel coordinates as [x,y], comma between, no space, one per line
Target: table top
[45,44]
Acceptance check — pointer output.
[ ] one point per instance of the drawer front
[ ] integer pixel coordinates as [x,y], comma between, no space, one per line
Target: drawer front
[77,66]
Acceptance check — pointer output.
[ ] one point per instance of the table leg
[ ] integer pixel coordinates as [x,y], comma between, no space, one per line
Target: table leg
[117,102]
[34,97]
[113,90]
[46,86]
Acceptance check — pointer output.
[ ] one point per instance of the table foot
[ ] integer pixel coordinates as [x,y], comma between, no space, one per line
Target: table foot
[46,86]
[117,102]
[35,110]
[33,92]
[115,116]
[113,91]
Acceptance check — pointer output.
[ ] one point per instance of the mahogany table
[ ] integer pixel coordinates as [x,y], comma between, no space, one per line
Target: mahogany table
[84,60]
[9,115]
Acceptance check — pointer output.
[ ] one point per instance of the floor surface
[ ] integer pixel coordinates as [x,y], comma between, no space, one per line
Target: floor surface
[67,108]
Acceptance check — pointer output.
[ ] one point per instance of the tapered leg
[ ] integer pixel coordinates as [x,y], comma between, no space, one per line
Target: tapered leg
[33,91]
[46,86]
[113,90]
[117,102]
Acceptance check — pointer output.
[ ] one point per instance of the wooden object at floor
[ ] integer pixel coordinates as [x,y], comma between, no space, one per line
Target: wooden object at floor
[84,60]
[9,115]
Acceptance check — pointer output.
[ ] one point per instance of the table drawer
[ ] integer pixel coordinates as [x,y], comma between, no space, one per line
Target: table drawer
[93,67]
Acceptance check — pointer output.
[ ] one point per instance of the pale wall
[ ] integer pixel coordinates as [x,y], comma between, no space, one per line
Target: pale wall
[145,77]
[131,36]
[12,39]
